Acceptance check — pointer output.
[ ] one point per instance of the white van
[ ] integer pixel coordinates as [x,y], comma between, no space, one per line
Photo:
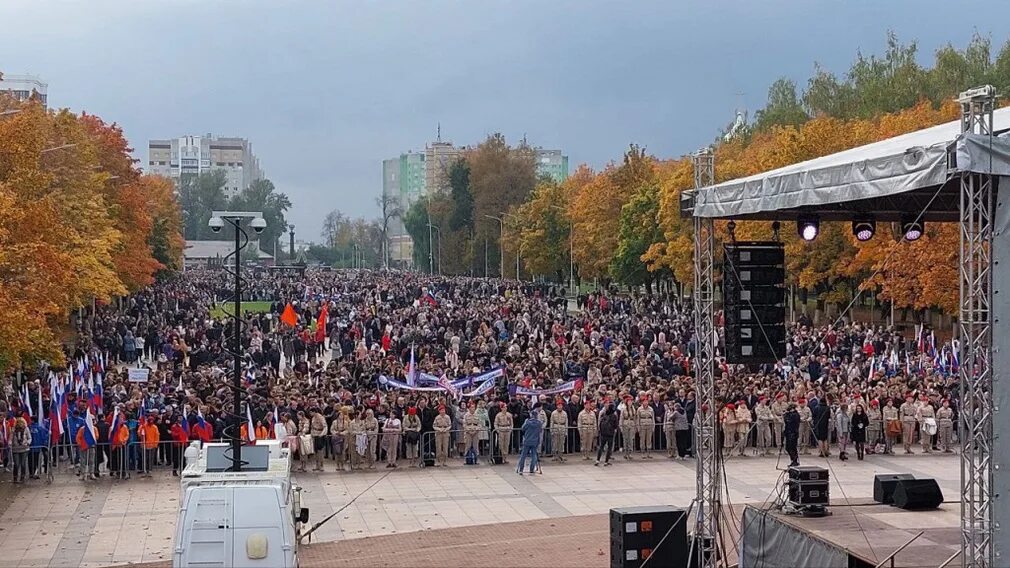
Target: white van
[241,519]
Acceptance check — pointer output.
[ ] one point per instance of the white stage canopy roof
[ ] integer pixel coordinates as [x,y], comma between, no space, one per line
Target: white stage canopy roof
[900,174]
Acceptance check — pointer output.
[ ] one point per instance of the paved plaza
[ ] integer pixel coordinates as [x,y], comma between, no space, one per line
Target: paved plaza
[103,523]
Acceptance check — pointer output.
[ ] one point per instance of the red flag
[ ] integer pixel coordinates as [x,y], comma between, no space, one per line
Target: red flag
[321,324]
[289,317]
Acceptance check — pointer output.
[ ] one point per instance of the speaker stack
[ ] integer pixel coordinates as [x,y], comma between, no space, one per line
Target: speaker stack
[904,491]
[917,494]
[636,532]
[808,490]
[884,484]
[754,301]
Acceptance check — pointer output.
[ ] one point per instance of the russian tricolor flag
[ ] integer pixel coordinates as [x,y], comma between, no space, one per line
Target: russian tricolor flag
[90,434]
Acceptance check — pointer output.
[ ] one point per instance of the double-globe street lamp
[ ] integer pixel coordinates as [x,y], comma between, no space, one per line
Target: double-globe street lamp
[258,224]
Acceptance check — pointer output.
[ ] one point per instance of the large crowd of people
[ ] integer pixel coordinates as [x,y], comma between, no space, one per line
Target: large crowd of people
[607,374]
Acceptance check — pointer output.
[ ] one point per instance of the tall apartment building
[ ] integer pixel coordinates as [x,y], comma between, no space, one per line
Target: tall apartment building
[552,163]
[194,155]
[403,178]
[24,87]
[438,159]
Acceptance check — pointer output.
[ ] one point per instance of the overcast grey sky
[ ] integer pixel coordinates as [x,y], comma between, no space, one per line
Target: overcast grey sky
[326,90]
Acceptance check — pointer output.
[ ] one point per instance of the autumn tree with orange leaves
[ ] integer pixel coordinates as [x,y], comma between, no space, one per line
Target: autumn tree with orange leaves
[78,222]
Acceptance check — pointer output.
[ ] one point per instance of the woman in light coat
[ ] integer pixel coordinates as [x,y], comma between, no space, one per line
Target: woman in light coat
[843,426]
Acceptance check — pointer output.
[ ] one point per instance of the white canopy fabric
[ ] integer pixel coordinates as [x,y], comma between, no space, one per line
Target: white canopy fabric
[904,163]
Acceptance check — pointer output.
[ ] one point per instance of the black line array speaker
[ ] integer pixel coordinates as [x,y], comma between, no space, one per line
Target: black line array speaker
[754,301]
[917,494]
[636,532]
[884,484]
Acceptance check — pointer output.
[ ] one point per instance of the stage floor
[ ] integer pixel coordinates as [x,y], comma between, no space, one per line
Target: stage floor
[871,531]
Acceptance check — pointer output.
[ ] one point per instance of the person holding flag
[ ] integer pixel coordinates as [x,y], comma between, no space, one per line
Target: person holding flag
[87,442]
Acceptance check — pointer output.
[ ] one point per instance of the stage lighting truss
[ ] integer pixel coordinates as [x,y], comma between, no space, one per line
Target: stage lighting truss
[808,228]
[863,228]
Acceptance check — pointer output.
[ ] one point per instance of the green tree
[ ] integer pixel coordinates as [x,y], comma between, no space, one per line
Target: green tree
[199,195]
[784,107]
[638,231]
[262,196]
[416,223]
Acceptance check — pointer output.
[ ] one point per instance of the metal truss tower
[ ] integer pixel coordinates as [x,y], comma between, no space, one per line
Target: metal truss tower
[975,331]
[706,530]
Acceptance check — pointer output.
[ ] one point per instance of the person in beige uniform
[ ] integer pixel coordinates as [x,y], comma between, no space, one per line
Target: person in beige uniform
[559,429]
[765,417]
[356,428]
[503,425]
[629,427]
[778,411]
[890,416]
[646,428]
[669,431]
[339,430]
[728,419]
[372,430]
[743,422]
[318,431]
[471,429]
[391,439]
[587,424]
[907,413]
[874,429]
[806,419]
[945,425]
[923,413]
[443,425]
[411,423]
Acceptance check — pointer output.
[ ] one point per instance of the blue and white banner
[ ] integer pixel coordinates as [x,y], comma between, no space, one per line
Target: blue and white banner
[484,381]
[563,387]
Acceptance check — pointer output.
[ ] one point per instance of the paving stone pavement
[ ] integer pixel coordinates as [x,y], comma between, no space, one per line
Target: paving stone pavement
[90,524]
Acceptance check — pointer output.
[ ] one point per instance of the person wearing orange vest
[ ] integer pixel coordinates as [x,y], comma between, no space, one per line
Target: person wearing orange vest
[179,440]
[149,437]
[118,440]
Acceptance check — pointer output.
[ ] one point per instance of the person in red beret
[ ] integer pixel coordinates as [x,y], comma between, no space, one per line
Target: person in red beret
[443,425]
[588,423]
[907,412]
[727,417]
[629,426]
[503,425]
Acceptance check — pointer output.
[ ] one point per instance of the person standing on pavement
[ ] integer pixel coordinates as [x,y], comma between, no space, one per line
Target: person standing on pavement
[608,430]
[412,435]
[945,425]
[860,426]
[907,412]
[318,430]
[532,434]
[587,424]
[629,427]
[471,429]
[391,438]
[559,431]
[765,418]
[806,419]
[503,425]
[646,427]
[791,433]
[442,425]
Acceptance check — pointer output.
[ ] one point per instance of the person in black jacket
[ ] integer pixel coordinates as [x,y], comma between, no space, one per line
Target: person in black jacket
[608,428]
[860,422]
[791,433]
[821,416]
[428,415]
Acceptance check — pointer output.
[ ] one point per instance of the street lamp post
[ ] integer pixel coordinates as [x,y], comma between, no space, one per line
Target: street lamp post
[439,230]
[216,223]
[501,242]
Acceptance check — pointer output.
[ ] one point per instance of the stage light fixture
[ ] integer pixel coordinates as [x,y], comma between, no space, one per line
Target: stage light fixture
[863,228]
[912,227]
[808,228]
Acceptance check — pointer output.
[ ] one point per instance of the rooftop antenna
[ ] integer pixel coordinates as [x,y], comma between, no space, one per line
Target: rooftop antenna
[438,136]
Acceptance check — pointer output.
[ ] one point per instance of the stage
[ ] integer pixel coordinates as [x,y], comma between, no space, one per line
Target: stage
[862,534]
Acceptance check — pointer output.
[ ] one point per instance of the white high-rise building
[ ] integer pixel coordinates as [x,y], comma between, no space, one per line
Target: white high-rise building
[194,155]
[24,87]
